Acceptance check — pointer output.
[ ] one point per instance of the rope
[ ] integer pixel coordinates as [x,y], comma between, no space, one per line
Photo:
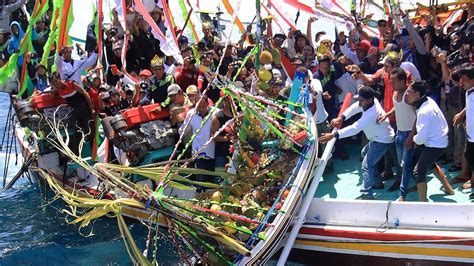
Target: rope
[6,124]
[385,224]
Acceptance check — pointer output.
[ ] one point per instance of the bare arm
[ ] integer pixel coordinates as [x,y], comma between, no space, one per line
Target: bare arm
[309,31]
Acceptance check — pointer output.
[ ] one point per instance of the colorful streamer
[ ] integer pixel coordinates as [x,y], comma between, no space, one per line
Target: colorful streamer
[231,12]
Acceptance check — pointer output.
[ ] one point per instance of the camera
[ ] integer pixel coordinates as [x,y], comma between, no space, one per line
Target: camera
[191,59]
[143,85]
[201,45]
[113,31]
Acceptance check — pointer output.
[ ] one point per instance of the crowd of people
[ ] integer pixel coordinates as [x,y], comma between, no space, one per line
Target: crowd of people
[413,82]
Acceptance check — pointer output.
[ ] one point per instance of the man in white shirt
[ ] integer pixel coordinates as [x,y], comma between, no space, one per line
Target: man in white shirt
[431,134]
[466,76]
[195,117]
[380,135]
[71,69]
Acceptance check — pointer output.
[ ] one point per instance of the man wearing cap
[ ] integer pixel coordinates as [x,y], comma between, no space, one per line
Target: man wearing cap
[466,76]
[159,83]
[114,57]
[371,64]
[431,134]
[93,86]
[179,105]
[328,73]
[71,69]
[380,135]
[361,49]
[40,36]
[193,95]
[37,74]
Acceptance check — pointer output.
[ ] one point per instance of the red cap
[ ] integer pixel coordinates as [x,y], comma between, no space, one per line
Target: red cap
[146,73]
[363,45]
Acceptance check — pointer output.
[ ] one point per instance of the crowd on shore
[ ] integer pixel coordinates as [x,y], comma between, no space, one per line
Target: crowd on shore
[413,85]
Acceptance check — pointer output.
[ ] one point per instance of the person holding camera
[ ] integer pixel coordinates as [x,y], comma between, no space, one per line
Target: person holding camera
[187,74]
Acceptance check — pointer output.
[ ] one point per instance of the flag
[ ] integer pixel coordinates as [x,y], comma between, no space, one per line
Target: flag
[279,9]
[168,43]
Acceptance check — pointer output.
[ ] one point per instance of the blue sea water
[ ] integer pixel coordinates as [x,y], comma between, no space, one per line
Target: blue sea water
[33,233]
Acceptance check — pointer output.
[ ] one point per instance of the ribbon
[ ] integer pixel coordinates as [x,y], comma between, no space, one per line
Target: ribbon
[231,11]
[188,22]
[66,19]
[98,29]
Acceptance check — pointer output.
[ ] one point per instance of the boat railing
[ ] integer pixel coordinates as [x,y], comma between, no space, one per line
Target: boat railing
[299,219]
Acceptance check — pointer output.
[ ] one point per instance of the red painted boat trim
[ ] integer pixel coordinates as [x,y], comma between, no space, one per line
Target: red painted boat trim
[379,236]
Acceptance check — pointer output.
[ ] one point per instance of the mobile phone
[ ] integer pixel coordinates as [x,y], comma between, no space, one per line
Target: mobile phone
[114,68]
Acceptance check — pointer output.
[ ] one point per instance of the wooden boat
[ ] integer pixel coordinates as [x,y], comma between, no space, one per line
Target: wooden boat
[342,230]
[74,178]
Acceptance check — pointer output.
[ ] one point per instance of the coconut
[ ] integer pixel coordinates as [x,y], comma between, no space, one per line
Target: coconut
[215,207]
[217,196]
[264,75]
[229,227]
[263,85]
[266,57]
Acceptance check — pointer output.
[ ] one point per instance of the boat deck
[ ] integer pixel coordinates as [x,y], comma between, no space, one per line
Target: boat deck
[346,180]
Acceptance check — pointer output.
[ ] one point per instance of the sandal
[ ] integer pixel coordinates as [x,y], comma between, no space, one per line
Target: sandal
[467,185]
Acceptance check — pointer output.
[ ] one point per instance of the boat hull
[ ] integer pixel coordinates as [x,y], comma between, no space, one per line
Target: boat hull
[410,231]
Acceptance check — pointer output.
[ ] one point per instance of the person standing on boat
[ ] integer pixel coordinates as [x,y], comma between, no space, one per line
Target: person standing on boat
[83,110]
[380,135]
[205,154]
[223,140]
[466,77]
[431,134]
[405,116]
[71,69]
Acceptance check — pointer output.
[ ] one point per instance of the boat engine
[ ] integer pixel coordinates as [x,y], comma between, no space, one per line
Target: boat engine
[139,134]
[27,115]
